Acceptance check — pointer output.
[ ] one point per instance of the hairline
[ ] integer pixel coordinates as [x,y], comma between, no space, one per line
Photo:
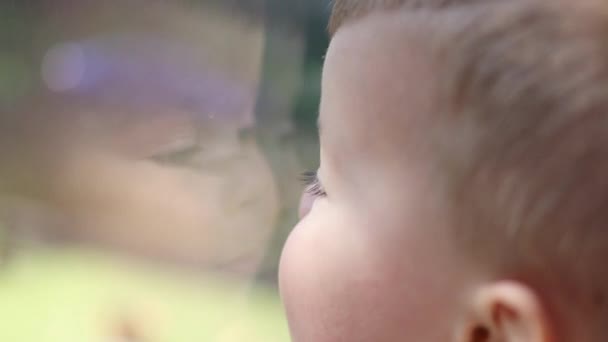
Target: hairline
[345,11]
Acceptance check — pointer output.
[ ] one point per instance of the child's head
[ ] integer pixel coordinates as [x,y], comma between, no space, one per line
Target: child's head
[462,178]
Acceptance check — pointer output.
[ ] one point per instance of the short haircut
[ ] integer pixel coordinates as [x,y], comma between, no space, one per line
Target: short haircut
[346,10]
[522,137]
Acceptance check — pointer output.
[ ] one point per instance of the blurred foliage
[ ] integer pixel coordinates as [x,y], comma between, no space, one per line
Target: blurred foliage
[316,39]
[59,296]
[16,79]
[15,70]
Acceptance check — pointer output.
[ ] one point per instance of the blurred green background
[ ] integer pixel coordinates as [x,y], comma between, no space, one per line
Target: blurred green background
[79,295]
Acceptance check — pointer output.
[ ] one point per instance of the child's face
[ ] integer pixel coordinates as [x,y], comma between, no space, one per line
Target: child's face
[371,260]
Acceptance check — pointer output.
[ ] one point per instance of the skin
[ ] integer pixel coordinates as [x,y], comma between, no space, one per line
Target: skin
[367,262]
[352,264]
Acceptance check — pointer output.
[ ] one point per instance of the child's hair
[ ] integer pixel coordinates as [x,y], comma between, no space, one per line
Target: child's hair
[344,10]
[520,138]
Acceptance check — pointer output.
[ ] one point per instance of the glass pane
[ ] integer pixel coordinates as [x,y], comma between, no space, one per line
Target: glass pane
[149,162]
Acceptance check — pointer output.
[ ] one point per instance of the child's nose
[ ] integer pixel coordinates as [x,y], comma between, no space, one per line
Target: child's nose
[306,202]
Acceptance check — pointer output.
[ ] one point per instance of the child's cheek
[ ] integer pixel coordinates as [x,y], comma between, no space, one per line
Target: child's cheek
[327,269]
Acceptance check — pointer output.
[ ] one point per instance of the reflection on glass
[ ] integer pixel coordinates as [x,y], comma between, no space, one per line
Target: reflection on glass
[127,144]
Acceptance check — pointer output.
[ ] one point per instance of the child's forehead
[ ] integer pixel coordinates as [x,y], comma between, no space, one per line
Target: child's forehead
[377,85]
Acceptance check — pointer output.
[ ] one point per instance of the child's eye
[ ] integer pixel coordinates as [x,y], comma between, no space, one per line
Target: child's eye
[312,183]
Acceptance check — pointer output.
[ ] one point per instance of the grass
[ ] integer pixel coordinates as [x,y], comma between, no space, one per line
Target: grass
[80,296]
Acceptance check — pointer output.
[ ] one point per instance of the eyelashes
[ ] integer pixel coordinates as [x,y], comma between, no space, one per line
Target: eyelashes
[312,184]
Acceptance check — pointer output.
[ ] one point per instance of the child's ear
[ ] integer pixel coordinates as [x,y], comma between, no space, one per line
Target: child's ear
[505,312]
